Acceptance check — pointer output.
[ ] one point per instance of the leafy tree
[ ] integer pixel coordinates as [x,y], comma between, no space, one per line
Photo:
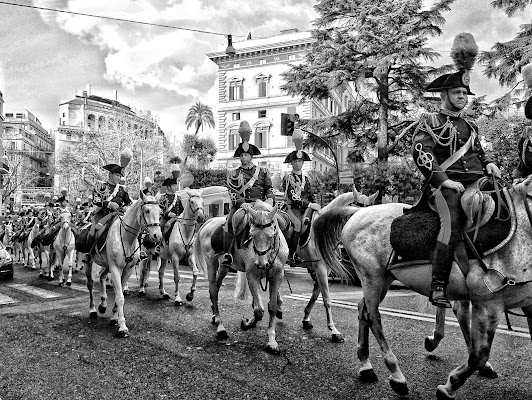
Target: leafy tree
[377,46]
[510,6]
[203,150]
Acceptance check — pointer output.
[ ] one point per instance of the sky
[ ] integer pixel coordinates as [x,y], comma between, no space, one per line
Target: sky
[47,57]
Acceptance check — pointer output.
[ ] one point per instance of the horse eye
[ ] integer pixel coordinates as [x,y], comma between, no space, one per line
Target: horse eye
[148,211]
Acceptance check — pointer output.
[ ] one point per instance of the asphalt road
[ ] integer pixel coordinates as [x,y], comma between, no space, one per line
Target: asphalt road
[50,349]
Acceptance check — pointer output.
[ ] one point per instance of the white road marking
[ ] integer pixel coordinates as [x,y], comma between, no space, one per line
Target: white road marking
[4,299]
[519,332]
[45,294]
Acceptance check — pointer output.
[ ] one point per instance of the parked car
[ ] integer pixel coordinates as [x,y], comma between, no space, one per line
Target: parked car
[6,263]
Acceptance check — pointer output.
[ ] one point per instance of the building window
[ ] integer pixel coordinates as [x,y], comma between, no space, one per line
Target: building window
[262,113]
[68,136]
[262,61]
[261,136]
[236,116]
[262,86]
[236,65]
[9,115]
[236,90]
[291,57]
[232,138]
[20,115]
[290,142]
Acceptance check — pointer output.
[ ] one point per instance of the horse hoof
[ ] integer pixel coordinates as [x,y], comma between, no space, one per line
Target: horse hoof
[60,284]
[399,387]
[244,324]
[337,338]
[307,325]
[114,322]
[142,294]
[50,278]
[126,292]
[429,345]
[222,335]
[189,296]
[271,350]
[102,309]
[93,315]
[166,296]
[69,283]
[441,394]
[122,334]
[279,314]
[488,372]
[178,302]
[368,375]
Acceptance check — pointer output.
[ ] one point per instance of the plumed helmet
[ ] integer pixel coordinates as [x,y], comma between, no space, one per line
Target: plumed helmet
[297,154]
[244,130]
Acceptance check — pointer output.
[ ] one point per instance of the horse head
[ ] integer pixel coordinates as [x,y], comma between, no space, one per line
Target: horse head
[362,200]
[263,232]
[149,216]
[195,206]
[65,218]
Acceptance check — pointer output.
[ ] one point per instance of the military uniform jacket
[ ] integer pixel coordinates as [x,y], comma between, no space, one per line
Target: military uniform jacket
[249,184]
[105,192]
[297,194]
[436,138]
[170,203]
[525,154]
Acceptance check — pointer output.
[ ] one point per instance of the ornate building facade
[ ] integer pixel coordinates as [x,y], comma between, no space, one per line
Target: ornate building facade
[109,124]
[249,89]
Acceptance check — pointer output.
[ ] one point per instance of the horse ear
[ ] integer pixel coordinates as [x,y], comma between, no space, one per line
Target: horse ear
[355,191]
[373,197]
[142,196]
[272,213]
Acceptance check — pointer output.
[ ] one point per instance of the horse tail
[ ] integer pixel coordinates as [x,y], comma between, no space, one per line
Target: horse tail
[327,229]
[199,253]
[242,291]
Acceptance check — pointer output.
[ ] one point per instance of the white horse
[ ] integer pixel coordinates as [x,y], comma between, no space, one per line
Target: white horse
[63,245]
[27,251]
[178,248]
[263,256]
[6,239]
[366,239]
[120,253]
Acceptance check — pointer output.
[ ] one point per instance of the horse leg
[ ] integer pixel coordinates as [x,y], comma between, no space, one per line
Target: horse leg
[528,312]
[216,275]
[310,305]
[433,341]
[69,277]
[175,265]
[90,285]
[195,272]
[144,274]
[275,283]
[102,307]
[59,260]
[162,268]
[258,308]
[118,308]
[322,274]
[485,319]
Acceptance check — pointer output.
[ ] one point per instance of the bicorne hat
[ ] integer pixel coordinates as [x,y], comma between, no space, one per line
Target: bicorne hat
[60,199]
[463,53]
[113,168]
[297,154]
[244,130]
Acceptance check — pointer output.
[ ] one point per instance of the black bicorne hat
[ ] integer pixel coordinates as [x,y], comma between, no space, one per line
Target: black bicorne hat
[297,155]
[169,181]
[250,149]
[60,199]
[450,81]
[114,168]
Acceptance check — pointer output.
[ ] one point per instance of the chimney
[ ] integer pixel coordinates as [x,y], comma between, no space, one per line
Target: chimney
[89,90]
[85,93]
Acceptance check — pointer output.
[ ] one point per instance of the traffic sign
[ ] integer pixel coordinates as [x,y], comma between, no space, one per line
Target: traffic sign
[346,180]
[345,174]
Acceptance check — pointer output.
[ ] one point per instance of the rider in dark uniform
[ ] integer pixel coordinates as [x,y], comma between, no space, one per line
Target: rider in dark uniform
[109,197]
[246,184]
[447,151]
[170,203]
[298,194]
[524,145]
[148,187]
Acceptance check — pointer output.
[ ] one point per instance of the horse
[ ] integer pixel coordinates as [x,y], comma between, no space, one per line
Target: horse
[6,238]
[120,253]
[63,245]
[318,269]
[263,255]
[366,237]
[178,248]
[27,250]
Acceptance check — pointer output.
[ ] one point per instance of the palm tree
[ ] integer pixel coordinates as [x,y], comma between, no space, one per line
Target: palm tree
[199,115]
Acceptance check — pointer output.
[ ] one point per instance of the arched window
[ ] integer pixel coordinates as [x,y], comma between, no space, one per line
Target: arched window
[91,120]
[101,122]
[233,138]
[236,89]
[262,84]
[262,131]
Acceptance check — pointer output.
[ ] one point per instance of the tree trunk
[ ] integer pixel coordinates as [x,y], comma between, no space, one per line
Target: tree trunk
[382,134]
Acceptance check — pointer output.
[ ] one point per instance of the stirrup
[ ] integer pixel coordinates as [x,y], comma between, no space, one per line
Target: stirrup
[143,255]
[438,297]
[87,258]
[295,260]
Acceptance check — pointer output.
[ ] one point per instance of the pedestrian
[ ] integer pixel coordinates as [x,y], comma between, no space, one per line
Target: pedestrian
[247,184]
[447,151]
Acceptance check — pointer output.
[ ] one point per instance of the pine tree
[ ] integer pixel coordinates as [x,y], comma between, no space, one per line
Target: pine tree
[378,47]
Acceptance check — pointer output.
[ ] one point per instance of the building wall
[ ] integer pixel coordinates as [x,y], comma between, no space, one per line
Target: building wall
[264,60]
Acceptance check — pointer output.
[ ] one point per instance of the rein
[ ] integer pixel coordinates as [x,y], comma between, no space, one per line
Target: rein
[265,271]
[188,244]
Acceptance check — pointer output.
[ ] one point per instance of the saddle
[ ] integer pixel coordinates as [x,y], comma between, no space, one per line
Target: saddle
[48,238]
[167,228]
[413,235]
[305,227]
[83,241]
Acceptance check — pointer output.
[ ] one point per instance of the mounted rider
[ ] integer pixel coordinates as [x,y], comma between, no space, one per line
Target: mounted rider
[246,184]
[447,151]
[108,197]
[148,187]
[170,202]
[298,194]
[524,145]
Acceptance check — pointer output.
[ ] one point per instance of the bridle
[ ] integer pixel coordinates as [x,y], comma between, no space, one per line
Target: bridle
[274,245]
[182,220]
[193,211]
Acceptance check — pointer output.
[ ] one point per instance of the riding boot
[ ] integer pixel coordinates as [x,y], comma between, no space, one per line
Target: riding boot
[293,258]
[442,261]
[227,261]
